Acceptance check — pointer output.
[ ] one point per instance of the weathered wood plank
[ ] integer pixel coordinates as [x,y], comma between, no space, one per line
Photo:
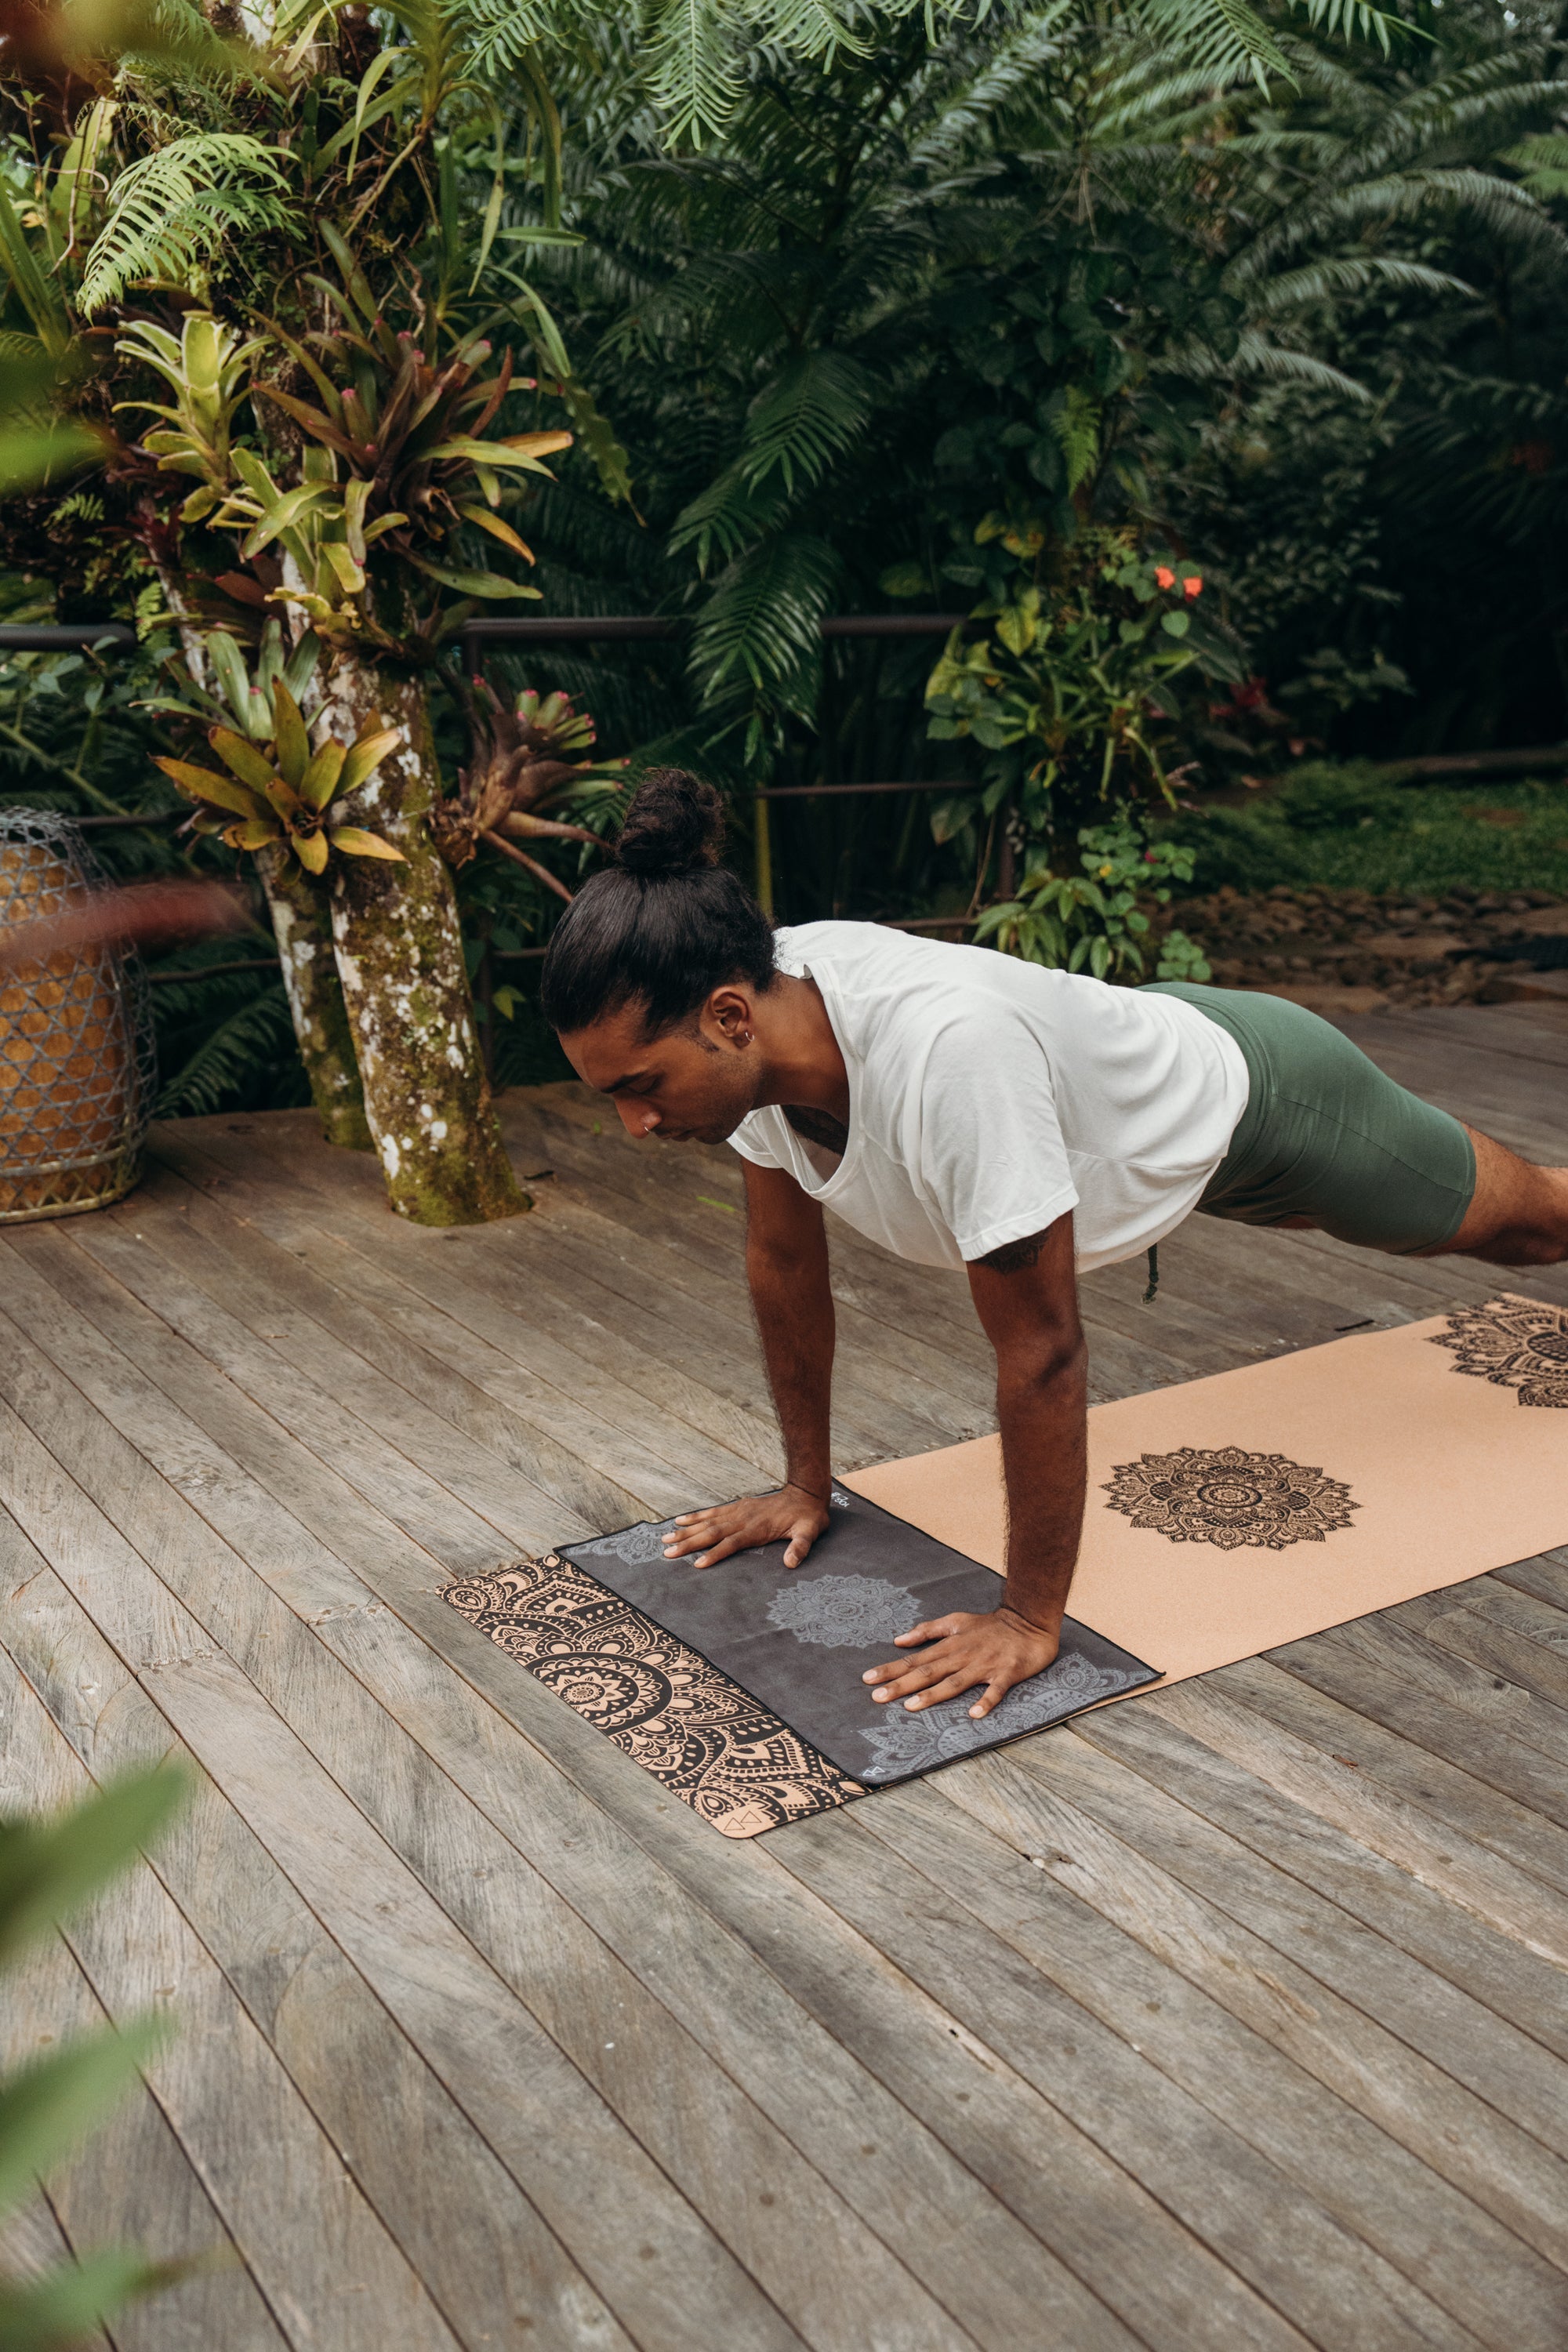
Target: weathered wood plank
[436,1362]
[1312,2266]
[322,2259]
[519,1363]
[369,1459]
[1403,1684]
[590,2179]
[717,2145]
[131,2182]
[1507,1633]
[705,1978]
[1363,2152]
[1435,2070]
[247,1321]
[472,2236]
[1480,1849]
[1491,1967]
[1176,2294]
[684,1313]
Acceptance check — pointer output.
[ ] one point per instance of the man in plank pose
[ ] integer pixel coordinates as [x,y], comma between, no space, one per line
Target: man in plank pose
[965,1108]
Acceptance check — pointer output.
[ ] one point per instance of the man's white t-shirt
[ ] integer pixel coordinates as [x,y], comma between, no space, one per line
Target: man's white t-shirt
[988,1097]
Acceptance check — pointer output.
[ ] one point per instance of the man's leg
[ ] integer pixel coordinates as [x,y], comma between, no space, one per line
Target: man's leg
[1329,1140]
[1517,1213]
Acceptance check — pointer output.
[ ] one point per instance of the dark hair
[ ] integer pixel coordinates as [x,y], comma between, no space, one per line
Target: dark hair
[665,924]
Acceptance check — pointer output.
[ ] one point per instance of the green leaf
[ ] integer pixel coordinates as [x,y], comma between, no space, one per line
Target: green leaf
[1176,625]
[302,663]
[47,1868]
[357,843]
[471,583]
[482,520]
[49,2313]
[540,236]
[321,778]
[46,2107]
[287,511]
[364,756]
[243,759]
[36,457]
[228,665]
[293,743]
[201,784]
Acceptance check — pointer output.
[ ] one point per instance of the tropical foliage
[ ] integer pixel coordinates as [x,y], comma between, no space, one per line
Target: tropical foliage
[1030,314]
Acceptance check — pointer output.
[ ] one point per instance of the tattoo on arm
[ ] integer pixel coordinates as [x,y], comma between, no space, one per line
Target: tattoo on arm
[819,1127]
[1015,1258]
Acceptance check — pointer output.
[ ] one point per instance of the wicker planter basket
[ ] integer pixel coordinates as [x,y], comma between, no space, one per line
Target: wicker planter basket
[75,1042]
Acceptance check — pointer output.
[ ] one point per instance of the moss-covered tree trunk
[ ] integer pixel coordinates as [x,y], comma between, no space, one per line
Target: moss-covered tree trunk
[405,981]
[302,920]
[302,924]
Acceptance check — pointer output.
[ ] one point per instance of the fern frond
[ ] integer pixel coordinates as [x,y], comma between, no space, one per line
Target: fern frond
[760,627]
[258,1031]
[171,211]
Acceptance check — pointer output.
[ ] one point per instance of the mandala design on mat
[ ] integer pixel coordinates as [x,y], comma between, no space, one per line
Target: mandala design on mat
[1229,1497]
[1514,1343]
[664,1705]
[844,1612]
[635,1547]
[902,1743]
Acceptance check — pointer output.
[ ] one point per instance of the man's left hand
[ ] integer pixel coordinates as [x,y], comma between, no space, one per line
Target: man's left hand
[999,1649]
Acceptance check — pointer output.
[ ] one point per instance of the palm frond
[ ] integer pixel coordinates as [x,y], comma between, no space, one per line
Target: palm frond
[1349,273]
[815,409]
[759,630]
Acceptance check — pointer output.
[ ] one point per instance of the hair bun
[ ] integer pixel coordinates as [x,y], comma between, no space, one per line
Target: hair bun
[674,826]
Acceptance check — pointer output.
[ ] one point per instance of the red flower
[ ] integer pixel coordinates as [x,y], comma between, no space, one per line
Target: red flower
[1163,576]
[1192,587]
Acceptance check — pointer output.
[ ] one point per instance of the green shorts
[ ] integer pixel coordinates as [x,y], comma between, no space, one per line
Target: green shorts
[1326,1135]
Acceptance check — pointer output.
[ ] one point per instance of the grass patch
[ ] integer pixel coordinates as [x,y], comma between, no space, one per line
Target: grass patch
[1347,828]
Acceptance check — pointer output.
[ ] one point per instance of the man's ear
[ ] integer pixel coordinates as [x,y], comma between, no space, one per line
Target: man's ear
[729,1017]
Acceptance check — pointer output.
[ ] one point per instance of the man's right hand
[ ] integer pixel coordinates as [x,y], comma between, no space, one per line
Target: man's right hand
[792,1515]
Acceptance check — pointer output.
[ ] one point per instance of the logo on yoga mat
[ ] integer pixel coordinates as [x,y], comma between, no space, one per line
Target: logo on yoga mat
[1514,1343]
[1230,1498]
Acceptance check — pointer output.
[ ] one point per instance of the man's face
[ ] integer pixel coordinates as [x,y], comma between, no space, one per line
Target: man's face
[693,1085]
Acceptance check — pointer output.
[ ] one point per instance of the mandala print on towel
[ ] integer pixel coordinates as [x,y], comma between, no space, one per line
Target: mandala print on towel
[1515,1343]
[710,1742]
[1229,1497]
[903,1743]
[844,1612]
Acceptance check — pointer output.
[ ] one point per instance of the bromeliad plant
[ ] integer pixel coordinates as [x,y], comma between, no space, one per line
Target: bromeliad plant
[413,438]
[519,769]
[277,789]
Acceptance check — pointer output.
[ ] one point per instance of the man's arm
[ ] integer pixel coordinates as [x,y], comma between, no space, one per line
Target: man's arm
[786,1268]
[1026,1295]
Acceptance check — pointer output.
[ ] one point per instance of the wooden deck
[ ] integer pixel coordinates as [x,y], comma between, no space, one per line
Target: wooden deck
[1232,2016]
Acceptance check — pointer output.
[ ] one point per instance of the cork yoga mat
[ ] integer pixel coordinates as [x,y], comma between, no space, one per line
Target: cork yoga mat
[1231,1514]
[1225,1516]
